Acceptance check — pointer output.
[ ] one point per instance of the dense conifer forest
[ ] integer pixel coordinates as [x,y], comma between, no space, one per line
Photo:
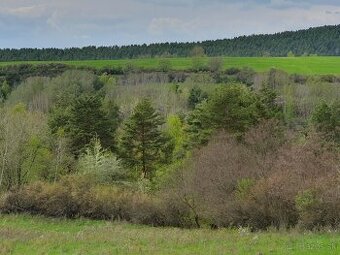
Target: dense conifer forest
[313,41]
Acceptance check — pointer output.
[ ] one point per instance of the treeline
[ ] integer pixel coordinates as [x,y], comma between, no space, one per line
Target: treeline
[320,40]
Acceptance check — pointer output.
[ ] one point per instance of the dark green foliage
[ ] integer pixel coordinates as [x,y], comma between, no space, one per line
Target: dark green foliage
[142,142]
[14,74]
[198,127]
[268,104]
[84,120]
[88,120]
[58,119]
[299,78]
[233,108]
[319,40]
[197,95]
[326,118]
[5,90]
[232,71]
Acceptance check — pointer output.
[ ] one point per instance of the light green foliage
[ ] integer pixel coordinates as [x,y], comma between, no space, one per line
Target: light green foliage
[63,160]
[64,89]
[243,188]
[37,158]
[108,80]
[304,200]
[109,88]
[175,129]
[167,98]
[309,208]
[197,54]
[18,132]
[31,93]
[290,54]
[198,64]
[101,164]
[300,100]
[42,94]
[165,65]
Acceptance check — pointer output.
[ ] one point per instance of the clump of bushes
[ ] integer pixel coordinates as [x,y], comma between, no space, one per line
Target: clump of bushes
[78,196]
[266,178]
[262,181]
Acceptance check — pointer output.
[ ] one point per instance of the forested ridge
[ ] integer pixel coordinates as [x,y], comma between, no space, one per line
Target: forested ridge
[323,40]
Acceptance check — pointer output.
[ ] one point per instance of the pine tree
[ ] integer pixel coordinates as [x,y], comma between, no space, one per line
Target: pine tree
[88,120]
[83,120]
[142,141]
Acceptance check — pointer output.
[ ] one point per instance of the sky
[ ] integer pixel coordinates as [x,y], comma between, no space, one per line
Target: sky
[78,23]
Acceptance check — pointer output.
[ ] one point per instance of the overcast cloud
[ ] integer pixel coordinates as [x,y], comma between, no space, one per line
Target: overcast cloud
[67,23]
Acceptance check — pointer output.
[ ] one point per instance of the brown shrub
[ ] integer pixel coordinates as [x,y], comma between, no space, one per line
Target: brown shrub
[76,197]
[256,182]
[297,168]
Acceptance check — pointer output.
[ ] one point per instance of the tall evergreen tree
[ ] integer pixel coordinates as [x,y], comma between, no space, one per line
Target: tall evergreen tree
[142,140]
[84,120]
[88,120]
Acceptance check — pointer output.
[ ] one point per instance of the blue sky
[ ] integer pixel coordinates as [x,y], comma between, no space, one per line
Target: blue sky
[76,23]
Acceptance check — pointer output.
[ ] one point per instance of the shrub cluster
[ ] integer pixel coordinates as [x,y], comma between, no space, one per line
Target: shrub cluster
[77,196]
[266,180]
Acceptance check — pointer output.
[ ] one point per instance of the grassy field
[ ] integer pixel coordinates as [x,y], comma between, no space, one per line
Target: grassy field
[301,65]
[36,235]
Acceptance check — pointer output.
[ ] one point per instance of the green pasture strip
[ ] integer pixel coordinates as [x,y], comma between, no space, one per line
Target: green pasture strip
[300,65]
[20,234]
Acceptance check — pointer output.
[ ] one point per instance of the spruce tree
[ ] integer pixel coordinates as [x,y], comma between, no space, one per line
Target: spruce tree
[142,140]
[83,120]
[88,120]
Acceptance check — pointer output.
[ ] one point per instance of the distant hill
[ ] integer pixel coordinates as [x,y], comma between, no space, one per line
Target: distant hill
[318,40]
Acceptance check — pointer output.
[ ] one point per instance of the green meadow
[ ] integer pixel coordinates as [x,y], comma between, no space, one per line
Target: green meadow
[37,235]
[300,65]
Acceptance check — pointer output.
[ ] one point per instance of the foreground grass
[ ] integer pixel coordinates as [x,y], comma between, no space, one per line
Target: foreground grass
[300,65]
[36,235]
